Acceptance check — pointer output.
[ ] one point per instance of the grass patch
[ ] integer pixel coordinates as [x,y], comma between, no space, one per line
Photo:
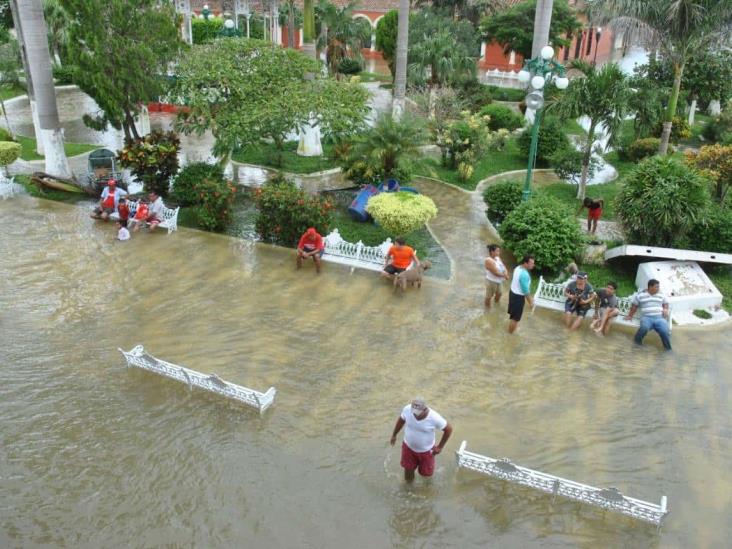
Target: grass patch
[600,275]
[494,162]
[624,167]
[721,276]
[373,235]
[8,92]
[374,77]
[48,194]
[266,154]
[566,194]
[29,148]
[507,94]
[572,127]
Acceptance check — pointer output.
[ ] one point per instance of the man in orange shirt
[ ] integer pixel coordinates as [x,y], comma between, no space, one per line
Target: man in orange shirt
[398,259]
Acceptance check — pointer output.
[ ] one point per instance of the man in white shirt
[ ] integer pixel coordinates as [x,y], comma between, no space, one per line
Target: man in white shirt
[156,210]
[418,447]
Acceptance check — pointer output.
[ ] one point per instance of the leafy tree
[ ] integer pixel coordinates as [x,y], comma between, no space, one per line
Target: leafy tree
[602,95]
[569,165]
[469,10]
[152,159]
[514,27]
[10,66]
[57,20]
[121,64]
[341,35]
[552,139]
[291,17]
[501,199]
[386,38]
[678,28]
[715,161]
[247,90]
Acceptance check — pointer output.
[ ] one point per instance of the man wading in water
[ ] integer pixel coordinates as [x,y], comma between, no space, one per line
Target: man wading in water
[418,448]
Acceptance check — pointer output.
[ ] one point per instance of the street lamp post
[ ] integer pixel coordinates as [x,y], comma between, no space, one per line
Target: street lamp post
[229,29]
[539,71]
[205,12]
[598,35]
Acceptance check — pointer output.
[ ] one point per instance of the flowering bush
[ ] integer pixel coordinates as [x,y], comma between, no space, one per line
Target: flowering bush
[153,159]
[285,212]
[402,212]
[215,200]
[185,186]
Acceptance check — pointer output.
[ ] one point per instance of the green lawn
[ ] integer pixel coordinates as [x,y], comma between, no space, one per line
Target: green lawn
[48,194]
[374,77]
[494,162]
[29,148]
[373,235]
[566,194]
[600,275]
[507,94]
[266,154]
[572,127]
[722,278]
[8,92]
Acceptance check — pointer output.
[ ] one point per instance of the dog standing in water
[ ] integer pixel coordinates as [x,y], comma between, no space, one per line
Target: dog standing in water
[411,276]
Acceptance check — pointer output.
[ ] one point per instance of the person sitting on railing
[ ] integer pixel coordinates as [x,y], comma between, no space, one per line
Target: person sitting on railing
[310,245]
[580,296]
[109,201]
[398,258]
[606,308]
[654,308]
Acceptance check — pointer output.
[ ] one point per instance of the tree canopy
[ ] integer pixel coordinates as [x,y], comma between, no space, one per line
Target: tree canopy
[247,90]
[121,50]
[514,27]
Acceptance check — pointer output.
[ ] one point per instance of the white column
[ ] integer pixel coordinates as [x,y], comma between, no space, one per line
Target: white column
[483,47]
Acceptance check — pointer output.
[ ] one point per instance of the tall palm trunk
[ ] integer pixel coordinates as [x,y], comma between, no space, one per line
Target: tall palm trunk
[310,144]
[402,48]
[542,22]
[671,109]
[308,29]
[39,60]
[28,80]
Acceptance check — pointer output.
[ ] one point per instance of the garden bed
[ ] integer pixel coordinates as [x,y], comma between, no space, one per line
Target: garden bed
[266,154]
[29,144]
[566,193]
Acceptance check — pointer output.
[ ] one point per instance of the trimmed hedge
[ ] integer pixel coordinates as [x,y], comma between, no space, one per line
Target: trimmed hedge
[502,117]
[552,139]
[402,212]
[501,199]
[206,30]
[643,148]
[9,152]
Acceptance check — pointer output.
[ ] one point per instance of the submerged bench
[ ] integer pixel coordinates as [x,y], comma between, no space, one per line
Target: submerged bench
[358,255]
[551,296]
[212,383]
[169,221]
[607,498]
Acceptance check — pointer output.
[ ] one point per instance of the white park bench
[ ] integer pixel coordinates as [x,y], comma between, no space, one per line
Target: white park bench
[9,188]
[358,255]
[551,296]
[169,221]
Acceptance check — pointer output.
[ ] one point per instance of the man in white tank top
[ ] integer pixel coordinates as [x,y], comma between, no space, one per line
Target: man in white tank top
[495,274]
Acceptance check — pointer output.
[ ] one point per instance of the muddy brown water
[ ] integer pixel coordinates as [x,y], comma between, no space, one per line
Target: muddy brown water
[95,455]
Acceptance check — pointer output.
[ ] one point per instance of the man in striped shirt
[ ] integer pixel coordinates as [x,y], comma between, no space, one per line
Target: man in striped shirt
[654,310]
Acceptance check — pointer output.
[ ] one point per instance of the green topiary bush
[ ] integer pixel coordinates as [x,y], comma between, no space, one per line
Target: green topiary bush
[714,233]
[546,228]
[285,212]
[402,212]
[9,152]
[185,190]
[643,148]
[660,201]
[551,140]
[206,30]
[502,117]
[501,199]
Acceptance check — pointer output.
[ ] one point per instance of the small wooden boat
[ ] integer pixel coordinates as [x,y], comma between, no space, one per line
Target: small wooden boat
[44,180]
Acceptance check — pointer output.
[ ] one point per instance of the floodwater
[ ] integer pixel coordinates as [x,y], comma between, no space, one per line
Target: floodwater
[95,455]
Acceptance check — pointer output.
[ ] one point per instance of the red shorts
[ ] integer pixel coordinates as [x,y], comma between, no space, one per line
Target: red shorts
[424,462]
[595,214]
[153,221]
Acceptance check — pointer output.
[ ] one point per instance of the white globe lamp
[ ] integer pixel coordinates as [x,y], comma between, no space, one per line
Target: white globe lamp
[562,83]
[229,24]
[547,52]
[535,100]
[537,82]
[524,76]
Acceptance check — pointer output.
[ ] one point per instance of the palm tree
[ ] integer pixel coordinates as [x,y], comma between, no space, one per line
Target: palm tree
[308,29]
[677,28]
[35,37]
[58,23]
[341,35]
[601,94]
[438,60]
[400,73]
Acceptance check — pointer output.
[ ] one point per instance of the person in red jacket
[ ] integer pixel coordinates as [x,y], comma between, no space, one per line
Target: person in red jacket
[311,245]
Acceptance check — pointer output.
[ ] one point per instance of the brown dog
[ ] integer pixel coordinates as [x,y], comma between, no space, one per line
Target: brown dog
[411,276]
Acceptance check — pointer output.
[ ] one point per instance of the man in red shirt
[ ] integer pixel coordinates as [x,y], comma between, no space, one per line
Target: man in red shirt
[311,245]
[398,259]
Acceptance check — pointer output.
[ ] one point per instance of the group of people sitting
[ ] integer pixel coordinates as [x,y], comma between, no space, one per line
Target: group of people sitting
[114,201]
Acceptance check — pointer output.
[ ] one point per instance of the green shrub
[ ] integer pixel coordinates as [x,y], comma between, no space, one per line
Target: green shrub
[502,117]
[680,129]
[714,233]
[206,30]
[474,95]
[660,201]
[285,212]
[185,186]
[719,129]
[545,228]
[349,66]
[551,140]
[63,74]
[215,200]
[9,152]
[5,135]
[501,199]
[153,159]
[402,212]
[567,164]
[507,94]
[643,148]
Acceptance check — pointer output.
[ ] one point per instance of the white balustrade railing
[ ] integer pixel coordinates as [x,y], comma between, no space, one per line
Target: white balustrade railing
[9,188]
[359,255]
[508,79]
[607,498]
[208,382]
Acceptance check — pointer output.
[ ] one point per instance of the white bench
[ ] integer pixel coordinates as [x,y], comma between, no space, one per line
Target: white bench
[9,188]
[551,296]
[358,255]
[170,216]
